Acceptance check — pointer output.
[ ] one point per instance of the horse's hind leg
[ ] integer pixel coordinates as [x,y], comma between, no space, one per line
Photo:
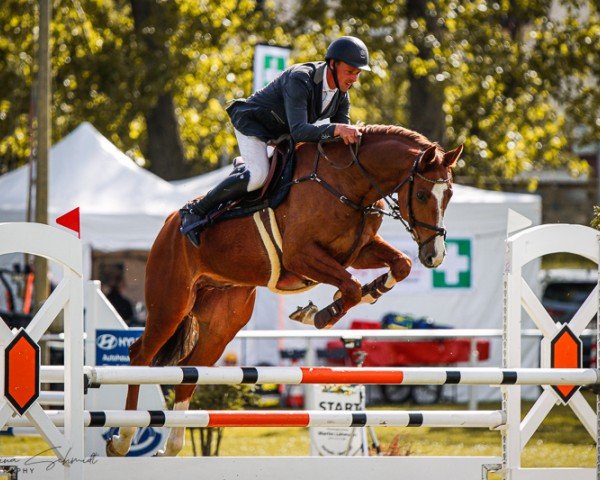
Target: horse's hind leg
[220,314]
[170,302]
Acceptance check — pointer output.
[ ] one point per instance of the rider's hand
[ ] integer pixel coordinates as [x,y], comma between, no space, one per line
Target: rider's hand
[348,133]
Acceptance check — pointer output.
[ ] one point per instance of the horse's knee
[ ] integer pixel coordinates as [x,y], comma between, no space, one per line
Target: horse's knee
[351,292]
[401,267]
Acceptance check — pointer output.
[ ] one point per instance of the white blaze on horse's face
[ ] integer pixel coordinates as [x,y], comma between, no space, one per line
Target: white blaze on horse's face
[439,245]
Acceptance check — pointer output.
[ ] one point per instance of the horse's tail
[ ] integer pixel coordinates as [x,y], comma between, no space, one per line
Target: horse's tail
[179,345]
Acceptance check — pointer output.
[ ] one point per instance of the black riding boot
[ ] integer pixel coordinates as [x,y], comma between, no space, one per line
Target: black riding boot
[194,214]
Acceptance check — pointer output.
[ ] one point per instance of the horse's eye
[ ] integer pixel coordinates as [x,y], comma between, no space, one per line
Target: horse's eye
[421,196]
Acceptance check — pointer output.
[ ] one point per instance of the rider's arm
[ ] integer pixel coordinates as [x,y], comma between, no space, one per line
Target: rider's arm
[296,96]
[341,120]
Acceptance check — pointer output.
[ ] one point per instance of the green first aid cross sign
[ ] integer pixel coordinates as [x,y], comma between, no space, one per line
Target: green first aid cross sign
[455,270]
[274,65]
[269,62]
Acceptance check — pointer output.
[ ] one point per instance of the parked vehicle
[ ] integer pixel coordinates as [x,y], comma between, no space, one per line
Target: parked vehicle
[564,291]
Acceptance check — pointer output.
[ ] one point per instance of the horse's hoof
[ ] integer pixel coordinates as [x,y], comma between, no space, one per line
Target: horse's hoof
[306,314]
[110,450]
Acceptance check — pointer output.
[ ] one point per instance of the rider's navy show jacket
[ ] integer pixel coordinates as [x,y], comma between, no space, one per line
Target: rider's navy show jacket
[290,104]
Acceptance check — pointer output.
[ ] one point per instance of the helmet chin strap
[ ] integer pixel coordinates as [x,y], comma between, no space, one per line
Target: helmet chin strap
[335,78]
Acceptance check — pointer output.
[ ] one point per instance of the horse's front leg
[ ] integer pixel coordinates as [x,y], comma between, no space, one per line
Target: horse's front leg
[377,254]
[316,264]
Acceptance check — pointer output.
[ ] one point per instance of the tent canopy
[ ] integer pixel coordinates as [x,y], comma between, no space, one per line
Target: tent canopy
[122,205]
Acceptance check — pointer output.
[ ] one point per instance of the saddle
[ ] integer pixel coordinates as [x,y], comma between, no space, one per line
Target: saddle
[273,192]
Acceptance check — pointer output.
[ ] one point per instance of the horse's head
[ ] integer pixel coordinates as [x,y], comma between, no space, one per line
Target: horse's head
[424,199]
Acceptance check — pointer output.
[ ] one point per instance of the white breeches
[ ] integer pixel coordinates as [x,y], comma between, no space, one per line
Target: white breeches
[254,152]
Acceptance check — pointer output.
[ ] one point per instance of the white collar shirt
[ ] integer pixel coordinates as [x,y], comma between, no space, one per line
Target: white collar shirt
[328,93]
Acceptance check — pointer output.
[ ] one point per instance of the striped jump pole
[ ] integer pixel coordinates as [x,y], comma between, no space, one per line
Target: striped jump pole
[324,375]
[309,418]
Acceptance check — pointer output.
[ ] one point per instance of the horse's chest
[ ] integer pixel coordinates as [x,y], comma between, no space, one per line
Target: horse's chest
[352,236]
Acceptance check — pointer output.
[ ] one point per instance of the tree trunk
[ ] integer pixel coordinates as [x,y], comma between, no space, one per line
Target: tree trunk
[164,148]
[426,95]
[426,112]
[210,441]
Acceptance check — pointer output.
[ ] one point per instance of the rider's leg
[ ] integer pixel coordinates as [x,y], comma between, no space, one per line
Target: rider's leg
[254,153]
[235,186]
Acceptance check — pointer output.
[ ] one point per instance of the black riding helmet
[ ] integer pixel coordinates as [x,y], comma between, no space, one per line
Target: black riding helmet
[350,50]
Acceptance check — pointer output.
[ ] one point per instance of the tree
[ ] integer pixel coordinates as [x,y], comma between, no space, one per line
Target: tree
[150,75]
[509,78]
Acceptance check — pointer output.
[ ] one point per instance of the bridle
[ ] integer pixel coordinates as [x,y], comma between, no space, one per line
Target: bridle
[412,222]
[409,224]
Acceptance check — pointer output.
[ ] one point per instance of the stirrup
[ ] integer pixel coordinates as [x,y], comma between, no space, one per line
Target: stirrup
[192,231]
[203,222]
[194,237]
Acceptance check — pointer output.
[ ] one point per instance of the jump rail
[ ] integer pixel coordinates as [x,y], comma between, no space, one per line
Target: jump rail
[307,418]
[324,375]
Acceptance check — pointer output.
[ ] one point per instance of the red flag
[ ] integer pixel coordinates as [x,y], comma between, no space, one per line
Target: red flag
[71,221]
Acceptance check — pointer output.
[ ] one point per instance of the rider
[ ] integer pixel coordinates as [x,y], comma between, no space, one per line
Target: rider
[290,104]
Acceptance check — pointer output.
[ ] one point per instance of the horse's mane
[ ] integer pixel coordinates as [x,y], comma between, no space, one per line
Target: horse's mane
[415,137]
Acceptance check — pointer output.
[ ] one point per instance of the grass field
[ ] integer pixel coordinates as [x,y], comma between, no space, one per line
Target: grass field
[561,441]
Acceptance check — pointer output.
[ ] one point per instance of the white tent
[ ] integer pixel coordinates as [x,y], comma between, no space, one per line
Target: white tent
[122,205]
[192,187]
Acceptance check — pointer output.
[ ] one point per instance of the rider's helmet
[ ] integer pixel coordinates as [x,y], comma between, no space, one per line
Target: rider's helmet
[350,50]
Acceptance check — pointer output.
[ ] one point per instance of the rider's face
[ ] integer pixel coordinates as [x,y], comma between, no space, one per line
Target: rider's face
[347,75]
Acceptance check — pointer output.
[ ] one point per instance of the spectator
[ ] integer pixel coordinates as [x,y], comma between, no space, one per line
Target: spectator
[113,279]
[122,304]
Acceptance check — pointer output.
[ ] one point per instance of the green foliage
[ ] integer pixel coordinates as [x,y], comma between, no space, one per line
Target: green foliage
[105,73]
[517,85]
[216,397]
[596,220]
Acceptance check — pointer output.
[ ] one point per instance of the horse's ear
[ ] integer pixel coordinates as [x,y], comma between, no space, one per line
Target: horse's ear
[451,157]
[428,158]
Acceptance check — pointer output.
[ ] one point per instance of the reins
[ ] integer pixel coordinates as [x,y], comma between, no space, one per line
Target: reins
[391,202]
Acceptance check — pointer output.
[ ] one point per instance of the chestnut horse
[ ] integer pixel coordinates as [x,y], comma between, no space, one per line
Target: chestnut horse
[199,298]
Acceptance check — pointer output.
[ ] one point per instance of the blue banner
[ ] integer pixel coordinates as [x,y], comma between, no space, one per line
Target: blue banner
[112,346]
